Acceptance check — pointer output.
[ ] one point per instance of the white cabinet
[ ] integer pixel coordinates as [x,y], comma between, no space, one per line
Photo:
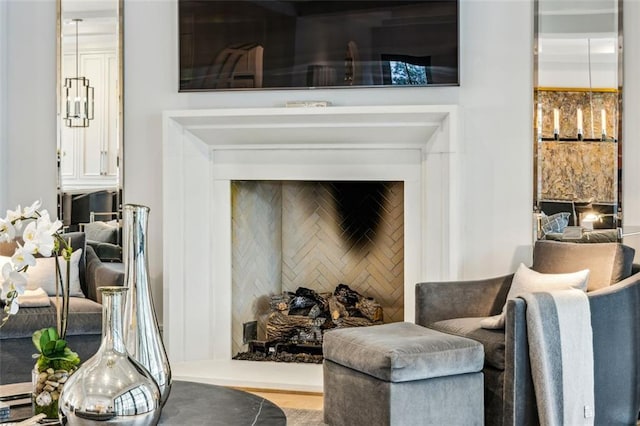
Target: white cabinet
[89,155]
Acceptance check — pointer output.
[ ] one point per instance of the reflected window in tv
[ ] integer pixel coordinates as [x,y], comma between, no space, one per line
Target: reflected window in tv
[406,70]
[279,44]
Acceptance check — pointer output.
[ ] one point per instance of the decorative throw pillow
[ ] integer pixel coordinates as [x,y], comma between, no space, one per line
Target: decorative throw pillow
[526,280]
[43,274]
[102,232]
[554,223]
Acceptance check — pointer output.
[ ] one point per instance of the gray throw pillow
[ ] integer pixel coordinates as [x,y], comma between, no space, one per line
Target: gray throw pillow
[101,232]
[526,280]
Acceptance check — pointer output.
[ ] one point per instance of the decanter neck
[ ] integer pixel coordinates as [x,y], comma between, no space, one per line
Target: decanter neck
[112,310]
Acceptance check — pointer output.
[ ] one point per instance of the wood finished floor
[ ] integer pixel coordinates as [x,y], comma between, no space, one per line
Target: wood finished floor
[300,400]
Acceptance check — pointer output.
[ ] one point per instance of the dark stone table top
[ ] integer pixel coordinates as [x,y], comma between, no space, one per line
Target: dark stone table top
[202,404]
[189,404]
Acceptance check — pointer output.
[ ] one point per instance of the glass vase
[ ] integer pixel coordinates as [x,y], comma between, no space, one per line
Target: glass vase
[48,382]
[142,335]
[111,386]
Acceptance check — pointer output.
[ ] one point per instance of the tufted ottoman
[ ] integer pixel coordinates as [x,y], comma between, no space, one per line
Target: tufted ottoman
[401,374]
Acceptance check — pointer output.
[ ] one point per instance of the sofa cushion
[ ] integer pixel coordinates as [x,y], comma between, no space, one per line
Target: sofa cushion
[85,317]
[402,351]
[608,263]
[493,341]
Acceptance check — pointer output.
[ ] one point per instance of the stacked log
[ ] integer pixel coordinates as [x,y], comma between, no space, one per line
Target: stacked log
[303,316]
[282,328]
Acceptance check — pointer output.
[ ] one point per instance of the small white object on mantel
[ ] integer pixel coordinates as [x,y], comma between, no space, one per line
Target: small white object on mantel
[307,104]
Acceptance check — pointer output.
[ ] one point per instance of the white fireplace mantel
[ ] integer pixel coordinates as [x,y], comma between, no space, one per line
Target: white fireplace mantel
[204,150]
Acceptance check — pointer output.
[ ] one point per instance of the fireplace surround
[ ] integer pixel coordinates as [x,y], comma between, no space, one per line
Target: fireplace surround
[205,150]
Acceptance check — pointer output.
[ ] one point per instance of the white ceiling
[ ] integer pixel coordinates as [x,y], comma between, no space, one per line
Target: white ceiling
[98,28]
[578,36]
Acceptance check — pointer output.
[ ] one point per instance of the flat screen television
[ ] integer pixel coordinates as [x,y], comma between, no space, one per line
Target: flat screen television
[282,44]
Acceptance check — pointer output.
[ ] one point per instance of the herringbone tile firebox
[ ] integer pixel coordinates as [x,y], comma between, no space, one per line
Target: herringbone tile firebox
[290,234]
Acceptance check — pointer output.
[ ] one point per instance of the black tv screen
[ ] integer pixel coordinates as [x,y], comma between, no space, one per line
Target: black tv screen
[256,44]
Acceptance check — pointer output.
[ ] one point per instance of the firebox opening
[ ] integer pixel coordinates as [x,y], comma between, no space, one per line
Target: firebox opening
[310,256]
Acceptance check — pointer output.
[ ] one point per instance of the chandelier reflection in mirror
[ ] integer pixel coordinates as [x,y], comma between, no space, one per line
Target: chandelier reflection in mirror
[79,95]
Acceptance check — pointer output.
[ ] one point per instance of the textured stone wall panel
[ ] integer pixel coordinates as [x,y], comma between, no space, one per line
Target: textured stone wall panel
[579,171]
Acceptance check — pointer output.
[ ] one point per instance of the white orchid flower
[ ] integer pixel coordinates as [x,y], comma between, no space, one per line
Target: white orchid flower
[46,244]
[12,305]
[7,231]
[38,235]
[15,306]
[30,212]
[22,258]
[30,237]
[46,226]
[45,230]
[13,279]
[13,216]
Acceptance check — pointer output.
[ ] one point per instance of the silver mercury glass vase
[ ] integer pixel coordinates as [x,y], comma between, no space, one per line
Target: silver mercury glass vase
[142,335]
[110,387]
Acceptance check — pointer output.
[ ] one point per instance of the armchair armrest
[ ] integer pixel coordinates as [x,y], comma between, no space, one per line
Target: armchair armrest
[615,323]
[518,393]
[101,274]
[106,252]
[437,301]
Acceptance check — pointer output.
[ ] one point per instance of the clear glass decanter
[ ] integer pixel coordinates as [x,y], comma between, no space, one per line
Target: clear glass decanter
[111,386]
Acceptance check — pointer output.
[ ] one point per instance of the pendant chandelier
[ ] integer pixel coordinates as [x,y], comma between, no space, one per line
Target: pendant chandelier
[79,95]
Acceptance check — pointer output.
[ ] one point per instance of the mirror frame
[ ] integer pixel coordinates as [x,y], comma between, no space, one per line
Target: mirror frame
[618,203]
[120,106]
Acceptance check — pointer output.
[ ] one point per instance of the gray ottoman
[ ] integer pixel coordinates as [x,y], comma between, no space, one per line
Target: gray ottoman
[402,374]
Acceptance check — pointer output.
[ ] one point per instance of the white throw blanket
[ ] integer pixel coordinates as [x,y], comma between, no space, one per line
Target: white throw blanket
[561,353]
[34,298]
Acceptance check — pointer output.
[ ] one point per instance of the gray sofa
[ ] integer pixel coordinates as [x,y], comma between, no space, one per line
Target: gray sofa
[85,315]
[614,298]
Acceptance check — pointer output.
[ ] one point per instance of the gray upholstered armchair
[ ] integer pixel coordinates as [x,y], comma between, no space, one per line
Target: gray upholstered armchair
[614,297]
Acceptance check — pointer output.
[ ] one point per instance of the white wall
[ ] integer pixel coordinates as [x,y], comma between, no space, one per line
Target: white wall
[30,109]
[4,143]
[495,93]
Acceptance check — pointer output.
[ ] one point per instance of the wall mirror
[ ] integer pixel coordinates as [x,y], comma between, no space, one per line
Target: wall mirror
[90,111]
[577,120]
